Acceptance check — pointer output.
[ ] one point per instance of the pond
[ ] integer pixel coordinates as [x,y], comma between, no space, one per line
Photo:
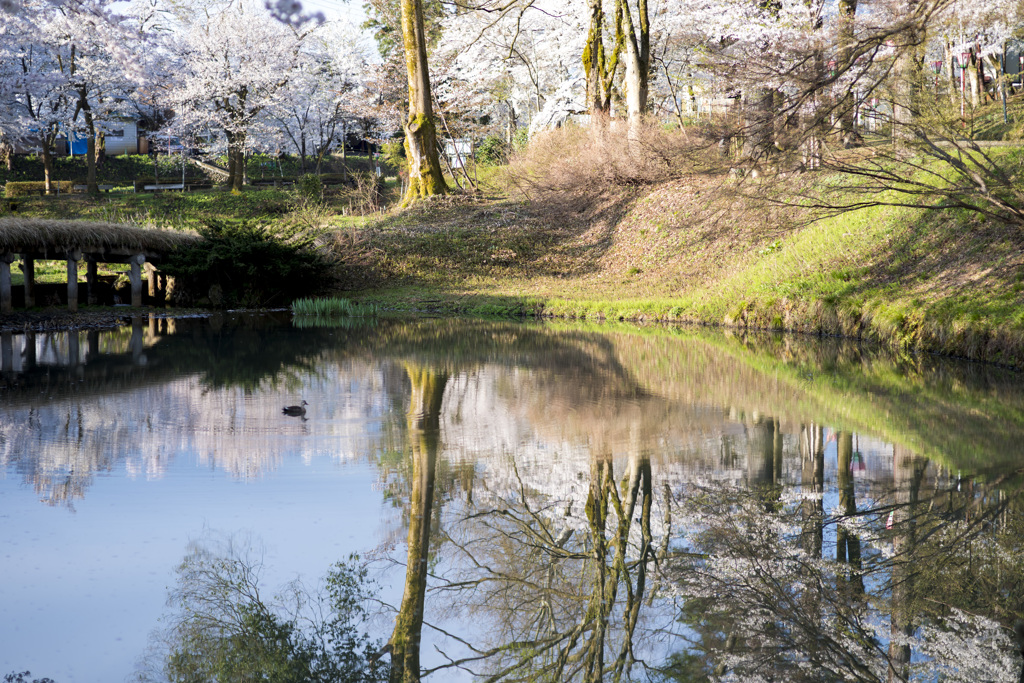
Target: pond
[509,501]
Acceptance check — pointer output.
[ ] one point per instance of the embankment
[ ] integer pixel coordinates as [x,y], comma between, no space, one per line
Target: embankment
[945,282]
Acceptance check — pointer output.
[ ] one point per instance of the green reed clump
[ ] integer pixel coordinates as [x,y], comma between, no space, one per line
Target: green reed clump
[333,307]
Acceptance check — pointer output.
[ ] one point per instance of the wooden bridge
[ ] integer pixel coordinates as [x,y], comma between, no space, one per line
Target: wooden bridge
[75,241]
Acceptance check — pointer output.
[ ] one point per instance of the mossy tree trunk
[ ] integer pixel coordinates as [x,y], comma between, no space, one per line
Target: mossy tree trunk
[425,177]
[600,64]
[758,123]
[423,421]
[637,36]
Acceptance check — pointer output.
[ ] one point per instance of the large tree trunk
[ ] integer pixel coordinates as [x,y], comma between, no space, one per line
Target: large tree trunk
[236,161]
[952,79]
[46,140]
[92,187]
[907,74]
[232,171]
[847,104]
[598,65]
[758,123]
[847,542]
[638,60]
[425,178]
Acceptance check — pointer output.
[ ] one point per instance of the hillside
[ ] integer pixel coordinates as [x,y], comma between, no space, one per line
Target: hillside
[946,282]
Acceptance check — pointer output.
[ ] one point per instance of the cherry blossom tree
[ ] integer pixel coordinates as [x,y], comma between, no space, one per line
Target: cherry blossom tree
[324,92]
[65,65]
[515,61]
[35,101]
[235,60]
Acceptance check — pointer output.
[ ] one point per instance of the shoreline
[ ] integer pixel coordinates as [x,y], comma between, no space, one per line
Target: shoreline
[482,307]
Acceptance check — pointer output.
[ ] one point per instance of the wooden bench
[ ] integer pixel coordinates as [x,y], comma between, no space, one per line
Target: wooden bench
[271,182]
[158,187]
[85,188]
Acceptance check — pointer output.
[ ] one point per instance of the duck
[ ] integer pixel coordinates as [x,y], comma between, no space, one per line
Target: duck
[296,411]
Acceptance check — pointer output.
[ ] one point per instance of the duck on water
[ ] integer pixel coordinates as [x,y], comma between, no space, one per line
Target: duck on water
[295,411]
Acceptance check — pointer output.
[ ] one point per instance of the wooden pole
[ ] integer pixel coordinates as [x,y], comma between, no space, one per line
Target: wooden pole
[28,268]
[74,256]
[151,281]
[5,282]
[90,281]
[136,277]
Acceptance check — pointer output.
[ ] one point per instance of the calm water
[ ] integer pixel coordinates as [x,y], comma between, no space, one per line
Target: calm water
[571,502]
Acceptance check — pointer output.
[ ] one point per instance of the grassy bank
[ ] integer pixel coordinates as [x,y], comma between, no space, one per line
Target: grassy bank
[945,282]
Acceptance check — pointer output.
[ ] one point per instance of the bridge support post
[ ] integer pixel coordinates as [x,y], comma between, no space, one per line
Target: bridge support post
[28,267]
[151,282]
[6,259]
[90,280]
[136,277]
[74,256]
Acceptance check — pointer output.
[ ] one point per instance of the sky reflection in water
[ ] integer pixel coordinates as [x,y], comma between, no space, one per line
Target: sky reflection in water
[753,457]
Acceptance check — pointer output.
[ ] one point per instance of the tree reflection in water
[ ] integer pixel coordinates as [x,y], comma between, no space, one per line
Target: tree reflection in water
[646,574]
[650,565]
[225,626]
[423,434]
[752,583]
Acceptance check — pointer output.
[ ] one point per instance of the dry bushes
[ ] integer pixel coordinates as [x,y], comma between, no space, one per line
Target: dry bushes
[610,154]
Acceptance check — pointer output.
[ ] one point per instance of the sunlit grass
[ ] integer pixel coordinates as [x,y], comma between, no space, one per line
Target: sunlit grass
[333,307]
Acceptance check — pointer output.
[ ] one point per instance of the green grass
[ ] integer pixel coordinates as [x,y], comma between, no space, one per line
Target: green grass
[331,308]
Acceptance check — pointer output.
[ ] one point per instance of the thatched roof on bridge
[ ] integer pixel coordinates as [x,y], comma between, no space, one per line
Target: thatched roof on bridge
[37,235]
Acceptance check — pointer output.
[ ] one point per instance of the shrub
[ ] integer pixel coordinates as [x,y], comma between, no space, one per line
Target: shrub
[492,150]
[309,188]
[608,154]
[246,264]
[26,188]
[119,169]
[393,152]
[520,139]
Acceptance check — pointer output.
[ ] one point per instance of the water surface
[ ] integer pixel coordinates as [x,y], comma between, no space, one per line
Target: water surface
[574,501]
